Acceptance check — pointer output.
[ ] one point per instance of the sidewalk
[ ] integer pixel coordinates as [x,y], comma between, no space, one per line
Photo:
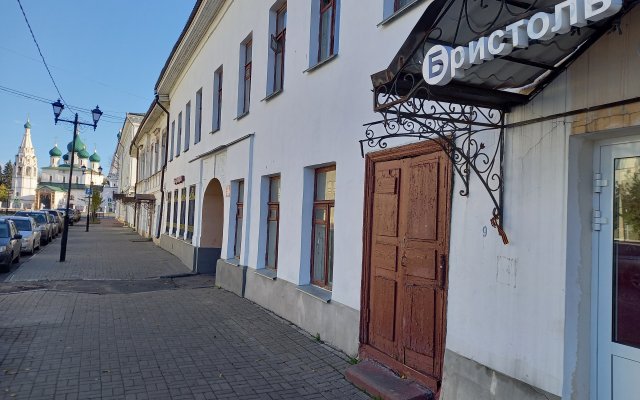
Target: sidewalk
[107,251]
[96,327]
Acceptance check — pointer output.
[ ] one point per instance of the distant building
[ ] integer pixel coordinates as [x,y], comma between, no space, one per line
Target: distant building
[54,179]
[25,172]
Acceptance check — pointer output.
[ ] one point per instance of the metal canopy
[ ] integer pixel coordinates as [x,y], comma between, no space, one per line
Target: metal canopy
[466,117]
[501,83]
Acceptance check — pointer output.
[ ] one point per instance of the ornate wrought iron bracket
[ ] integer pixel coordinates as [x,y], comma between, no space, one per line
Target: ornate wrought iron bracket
[471,136]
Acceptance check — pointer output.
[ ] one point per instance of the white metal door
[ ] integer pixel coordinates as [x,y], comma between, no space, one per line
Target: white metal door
[618,272]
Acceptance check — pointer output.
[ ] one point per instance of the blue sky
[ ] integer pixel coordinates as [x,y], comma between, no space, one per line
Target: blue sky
[106,53]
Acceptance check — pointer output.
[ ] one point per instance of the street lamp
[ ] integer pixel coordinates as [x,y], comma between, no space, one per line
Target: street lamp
[95,114]
[84,171]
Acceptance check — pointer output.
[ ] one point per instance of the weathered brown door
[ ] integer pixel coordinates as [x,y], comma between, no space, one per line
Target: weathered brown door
[405,260]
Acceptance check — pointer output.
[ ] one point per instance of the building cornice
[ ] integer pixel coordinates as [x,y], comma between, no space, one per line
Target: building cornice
[195,30]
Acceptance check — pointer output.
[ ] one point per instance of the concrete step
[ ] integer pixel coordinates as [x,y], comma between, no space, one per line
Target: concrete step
[381,382]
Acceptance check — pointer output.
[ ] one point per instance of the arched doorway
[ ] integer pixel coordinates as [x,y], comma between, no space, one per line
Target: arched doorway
[212,227]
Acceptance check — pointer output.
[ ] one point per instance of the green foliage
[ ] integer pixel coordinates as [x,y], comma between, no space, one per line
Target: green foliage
[317,337]
[96,202]
[6,175]
[353,360]
[4,193]
[627,196]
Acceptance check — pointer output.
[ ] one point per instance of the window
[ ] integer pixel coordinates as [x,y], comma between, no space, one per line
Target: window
[156,150]
[277,44]
[198,132]
[399,4]
[187,126]
[175,212]
[273,220]
[192,211]
[326,36]
[50,178]
[322,229]
[245,78]
[217,99]
[168,216]
[164,148]
[183,210]
[173,135]
[237,247]
[179,141]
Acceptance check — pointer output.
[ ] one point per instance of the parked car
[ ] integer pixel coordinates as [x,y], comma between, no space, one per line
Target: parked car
[10,244]
[63,212]
[53,220]
[57,215]
[42,223]
[28,228]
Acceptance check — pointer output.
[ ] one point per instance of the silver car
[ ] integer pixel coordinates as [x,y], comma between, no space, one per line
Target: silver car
[31,236]
[42,222]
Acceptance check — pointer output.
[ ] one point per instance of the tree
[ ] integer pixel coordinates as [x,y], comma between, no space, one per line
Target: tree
[627,203]
[4,193]
[96,203]
[7,174]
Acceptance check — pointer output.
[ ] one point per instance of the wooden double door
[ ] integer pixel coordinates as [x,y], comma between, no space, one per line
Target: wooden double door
[407,214]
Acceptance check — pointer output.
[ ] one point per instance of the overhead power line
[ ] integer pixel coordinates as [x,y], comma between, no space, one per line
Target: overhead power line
[41,99]
[40,52]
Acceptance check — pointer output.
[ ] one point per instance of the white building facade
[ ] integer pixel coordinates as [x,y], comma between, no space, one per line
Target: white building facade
[148,147]
[124,166]
[472,249]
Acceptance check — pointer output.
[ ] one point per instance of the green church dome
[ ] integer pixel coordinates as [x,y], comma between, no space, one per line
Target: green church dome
[83,154]
[79,145]
[94,157]
[55,152]
[27,125]
[65,157]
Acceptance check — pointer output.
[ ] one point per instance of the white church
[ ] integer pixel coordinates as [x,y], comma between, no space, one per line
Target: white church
[48,189]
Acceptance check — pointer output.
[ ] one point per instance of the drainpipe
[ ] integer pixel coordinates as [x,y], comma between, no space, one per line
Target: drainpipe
[164,167]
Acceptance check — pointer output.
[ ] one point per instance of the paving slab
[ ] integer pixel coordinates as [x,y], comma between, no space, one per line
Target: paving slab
[124,319]
[107,251]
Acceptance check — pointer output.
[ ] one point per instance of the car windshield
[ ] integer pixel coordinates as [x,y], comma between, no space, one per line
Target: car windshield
[4,230]
[22,224]
[40,218]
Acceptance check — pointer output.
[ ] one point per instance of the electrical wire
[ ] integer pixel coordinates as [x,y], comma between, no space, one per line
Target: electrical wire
[30,96]
[41,55]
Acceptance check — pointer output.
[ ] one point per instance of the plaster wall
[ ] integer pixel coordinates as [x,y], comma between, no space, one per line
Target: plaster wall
[523,309]
[315,121]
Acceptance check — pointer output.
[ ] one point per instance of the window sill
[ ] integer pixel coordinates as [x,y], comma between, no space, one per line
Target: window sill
[272,95]
[316,292]
[399,13]
[268,273]
[239,117]
[233,261]
[214,131]
[320,64]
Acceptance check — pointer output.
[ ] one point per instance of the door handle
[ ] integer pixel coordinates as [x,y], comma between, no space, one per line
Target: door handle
[443,270]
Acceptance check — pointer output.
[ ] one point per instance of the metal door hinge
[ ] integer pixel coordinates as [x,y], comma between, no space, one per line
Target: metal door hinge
[599,183]
[598,220]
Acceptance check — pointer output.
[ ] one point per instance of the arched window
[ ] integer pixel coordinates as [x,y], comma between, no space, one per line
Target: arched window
[50,178]
[19,170]
[64,179]
[28,171]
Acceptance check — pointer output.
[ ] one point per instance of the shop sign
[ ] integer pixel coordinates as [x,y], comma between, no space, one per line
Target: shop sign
[443,63]
[178,180]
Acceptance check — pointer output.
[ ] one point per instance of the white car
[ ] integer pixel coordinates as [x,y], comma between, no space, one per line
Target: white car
[30,234]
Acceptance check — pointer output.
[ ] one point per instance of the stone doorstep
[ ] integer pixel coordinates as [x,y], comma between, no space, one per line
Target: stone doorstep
[381,382]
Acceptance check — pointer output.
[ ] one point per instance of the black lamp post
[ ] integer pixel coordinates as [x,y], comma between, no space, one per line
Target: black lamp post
[84,171]
[57,110]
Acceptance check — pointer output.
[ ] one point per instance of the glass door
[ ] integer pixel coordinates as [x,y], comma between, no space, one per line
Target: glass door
[618,345]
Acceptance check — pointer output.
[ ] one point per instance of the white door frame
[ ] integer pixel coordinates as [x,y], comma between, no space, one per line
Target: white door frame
[605,150]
